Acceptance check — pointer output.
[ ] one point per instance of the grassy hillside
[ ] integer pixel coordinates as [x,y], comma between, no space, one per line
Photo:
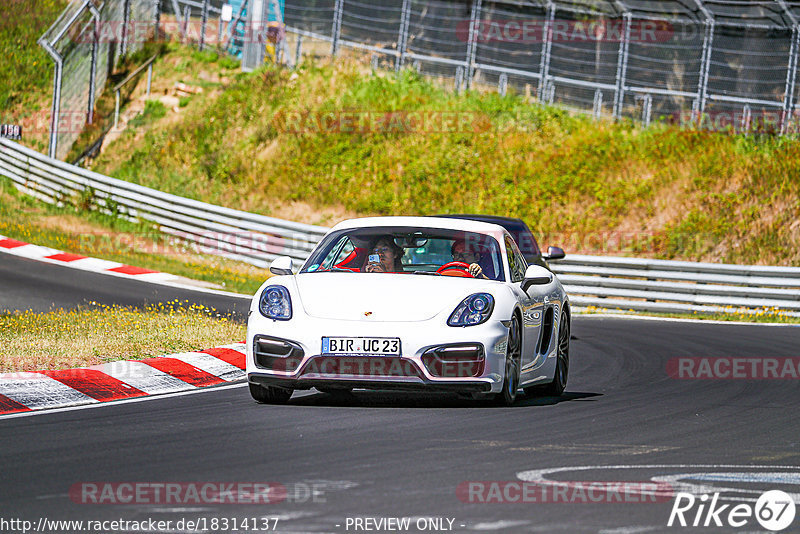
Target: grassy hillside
[590,186]
[26,71]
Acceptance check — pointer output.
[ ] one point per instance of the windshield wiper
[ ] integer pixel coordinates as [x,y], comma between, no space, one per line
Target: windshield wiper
[433,273]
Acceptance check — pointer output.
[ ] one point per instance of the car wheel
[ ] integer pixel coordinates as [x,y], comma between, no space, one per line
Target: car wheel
[269,395]
[511,376]
[556,387]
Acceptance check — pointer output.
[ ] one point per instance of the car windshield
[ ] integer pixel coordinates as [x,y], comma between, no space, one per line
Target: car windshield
[407,250]
[518,229]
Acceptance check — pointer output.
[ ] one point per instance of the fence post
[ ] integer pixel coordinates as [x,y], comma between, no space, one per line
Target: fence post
[622,67]
[177,9]
[56,107]
[116,108]
[126,17]
[547,42]
[502,84]
[597,105]
[298,51]
[705,67]
[791,76]
[185,24]
[93,68]
[647,109]
[157,17]
[219,28]
[472,44]
[203,24]
[402,37]
[336,30]
[747,117]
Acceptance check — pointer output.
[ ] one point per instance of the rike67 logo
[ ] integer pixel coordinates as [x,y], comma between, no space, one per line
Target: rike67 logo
[774,510]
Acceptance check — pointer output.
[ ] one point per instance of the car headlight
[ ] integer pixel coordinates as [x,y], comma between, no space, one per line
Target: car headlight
[475,309]
[275,303]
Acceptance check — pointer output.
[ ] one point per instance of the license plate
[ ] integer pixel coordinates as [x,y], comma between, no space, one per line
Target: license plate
[389,346]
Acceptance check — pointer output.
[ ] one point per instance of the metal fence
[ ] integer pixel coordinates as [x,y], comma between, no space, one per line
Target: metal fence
[602,282]
[248,237]
[719,64]
[85,43]
[677,286]
[90,36]
[713,63]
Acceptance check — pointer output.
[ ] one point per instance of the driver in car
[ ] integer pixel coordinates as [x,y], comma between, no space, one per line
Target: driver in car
[470,257]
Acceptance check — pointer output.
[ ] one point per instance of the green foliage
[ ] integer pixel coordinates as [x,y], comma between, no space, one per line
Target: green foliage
[229,63]
[153,110]
[400,144]
[25,66]
[206,56]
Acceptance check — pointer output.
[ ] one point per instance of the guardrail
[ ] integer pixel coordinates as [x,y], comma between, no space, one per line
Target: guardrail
[256,239]
[600,281]
[677,286]
[117,88]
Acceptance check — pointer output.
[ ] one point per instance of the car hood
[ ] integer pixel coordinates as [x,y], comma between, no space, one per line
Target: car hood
[381,297]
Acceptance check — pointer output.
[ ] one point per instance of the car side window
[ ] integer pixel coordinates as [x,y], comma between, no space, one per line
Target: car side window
[516,262]
[338,253]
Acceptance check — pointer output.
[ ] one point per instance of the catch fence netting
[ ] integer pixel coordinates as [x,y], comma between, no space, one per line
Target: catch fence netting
[720,64]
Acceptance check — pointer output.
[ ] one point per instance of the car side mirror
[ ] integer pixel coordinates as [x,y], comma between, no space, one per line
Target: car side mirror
[536,275]
[554,253]
[281,266]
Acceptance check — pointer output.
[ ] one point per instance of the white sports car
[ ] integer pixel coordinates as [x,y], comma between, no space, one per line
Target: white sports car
[421,303]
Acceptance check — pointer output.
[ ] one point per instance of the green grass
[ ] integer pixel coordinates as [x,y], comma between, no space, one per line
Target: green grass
[94,334]
[684,194]
[26,71]
[78,229]
[26,68]
[153,110]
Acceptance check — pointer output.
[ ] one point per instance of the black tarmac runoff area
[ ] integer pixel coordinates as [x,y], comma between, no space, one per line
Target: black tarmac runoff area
[649,419]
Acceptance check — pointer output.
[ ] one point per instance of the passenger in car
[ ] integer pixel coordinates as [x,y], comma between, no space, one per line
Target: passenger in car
[470,257]
[390,256]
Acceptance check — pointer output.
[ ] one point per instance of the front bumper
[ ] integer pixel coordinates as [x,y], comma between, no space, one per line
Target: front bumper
[425,362]
[366,383]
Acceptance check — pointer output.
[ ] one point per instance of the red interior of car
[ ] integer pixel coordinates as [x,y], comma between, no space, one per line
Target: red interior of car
[355,260]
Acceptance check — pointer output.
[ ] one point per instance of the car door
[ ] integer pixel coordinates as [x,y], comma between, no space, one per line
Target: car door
[531,308]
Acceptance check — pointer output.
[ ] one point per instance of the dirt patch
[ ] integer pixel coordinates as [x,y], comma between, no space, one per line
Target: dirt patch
[306,213]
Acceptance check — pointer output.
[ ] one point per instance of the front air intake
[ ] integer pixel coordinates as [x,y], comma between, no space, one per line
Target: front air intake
[275,354]
[455,361]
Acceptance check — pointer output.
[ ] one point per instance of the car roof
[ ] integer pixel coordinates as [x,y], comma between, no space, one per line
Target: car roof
[468,225]
[481,217]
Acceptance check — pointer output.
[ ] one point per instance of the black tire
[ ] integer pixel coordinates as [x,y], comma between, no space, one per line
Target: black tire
[556,387]
[508,396]
[269,394]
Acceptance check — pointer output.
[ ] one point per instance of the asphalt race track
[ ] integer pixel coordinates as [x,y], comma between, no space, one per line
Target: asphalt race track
[377,455]
[39,286]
